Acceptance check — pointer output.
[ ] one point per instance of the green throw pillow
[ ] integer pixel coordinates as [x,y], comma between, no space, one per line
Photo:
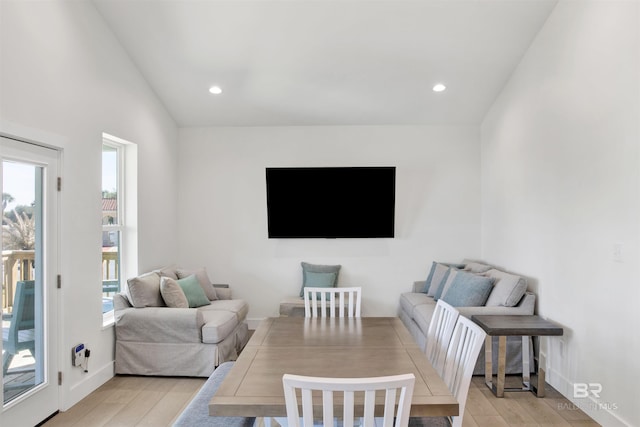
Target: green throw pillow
[193,291]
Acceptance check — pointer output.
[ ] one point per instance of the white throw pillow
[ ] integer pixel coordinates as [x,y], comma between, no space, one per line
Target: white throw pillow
[508,289]
[172,293]
[144,290]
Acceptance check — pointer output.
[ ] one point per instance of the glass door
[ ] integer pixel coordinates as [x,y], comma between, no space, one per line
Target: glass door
[29,269]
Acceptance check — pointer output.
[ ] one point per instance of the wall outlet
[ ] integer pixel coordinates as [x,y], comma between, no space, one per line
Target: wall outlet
[77,355]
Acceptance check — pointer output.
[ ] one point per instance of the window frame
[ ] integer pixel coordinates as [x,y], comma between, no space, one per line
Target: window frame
[126,224]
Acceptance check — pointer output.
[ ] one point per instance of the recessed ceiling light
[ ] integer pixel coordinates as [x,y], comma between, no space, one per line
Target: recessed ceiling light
[439,87]
[215,90]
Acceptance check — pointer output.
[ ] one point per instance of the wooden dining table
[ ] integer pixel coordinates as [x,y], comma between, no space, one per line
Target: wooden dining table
[327,347]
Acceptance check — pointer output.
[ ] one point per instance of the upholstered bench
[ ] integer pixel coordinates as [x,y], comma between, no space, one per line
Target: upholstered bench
[292,307]
[197,412]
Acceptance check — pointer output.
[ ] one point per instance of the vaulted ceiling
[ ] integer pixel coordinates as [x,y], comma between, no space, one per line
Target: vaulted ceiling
[326,62]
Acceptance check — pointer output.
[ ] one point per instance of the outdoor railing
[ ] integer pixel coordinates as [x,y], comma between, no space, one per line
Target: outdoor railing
[19,265]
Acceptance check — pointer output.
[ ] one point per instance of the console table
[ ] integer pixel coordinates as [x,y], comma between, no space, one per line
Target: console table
[524,326]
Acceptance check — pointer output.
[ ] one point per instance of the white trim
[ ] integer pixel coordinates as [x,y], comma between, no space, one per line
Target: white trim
[126,199]
[94,379]
[49,158]
[601,412]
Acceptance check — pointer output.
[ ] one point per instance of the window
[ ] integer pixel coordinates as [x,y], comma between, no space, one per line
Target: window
[119,250]
[112,221]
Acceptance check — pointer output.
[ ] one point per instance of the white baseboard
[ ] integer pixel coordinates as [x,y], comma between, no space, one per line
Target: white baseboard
[602,412]
[94,379]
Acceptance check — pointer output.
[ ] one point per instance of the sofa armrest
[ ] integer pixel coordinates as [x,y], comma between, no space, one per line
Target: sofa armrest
[222,290]
[418,286]
[120,301]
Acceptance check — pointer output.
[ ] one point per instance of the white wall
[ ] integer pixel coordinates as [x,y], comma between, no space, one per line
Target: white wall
[560,188]
[223,223]
[64,80]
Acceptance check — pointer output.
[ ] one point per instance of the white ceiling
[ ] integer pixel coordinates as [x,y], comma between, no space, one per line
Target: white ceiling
[326,62]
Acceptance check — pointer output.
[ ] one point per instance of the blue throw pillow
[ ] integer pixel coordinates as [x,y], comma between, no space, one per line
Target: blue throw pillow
[427,283]
[468,290]
[321,280]
[317,268]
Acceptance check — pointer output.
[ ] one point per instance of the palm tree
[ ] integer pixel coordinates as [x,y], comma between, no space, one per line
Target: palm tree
[19,234]
[6,199]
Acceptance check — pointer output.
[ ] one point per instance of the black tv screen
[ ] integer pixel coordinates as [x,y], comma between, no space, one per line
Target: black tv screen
[331,202]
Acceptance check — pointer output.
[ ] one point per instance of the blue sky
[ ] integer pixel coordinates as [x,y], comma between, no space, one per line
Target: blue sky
[18,179]
[109,170]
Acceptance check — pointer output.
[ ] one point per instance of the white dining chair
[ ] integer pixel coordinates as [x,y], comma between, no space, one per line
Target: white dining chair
[462,355]
[339,302]
[350,389]
[439,334]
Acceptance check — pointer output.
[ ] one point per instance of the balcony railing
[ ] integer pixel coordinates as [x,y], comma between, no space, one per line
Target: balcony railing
[19,265]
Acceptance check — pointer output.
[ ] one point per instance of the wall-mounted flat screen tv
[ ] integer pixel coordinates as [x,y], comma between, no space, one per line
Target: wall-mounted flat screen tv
[331,202]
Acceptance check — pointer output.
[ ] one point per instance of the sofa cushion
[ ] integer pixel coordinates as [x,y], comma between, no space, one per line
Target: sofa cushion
[508,289]
[218,324]
[410,300]
[203,280]
[237,306]
[170,271]
[317,268]
[172,293]
[422,315]
[468,290]
[192,290]
[144,290]
[477,267]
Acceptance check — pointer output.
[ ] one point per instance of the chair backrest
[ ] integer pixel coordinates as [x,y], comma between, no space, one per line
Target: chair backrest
[439,334]
[345,301]
[462,355]
[22,318]
[351,389]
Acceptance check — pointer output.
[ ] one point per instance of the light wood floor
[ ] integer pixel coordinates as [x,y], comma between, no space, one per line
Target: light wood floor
[156,401]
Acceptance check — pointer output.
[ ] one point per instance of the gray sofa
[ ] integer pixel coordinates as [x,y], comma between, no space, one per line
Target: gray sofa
[508,295]
[154,337]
